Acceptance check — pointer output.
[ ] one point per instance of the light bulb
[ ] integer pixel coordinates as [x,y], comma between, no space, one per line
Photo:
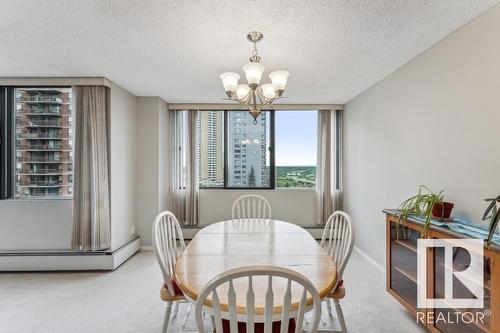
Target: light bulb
[253,72]
[242,91]
[268,91]
[279,78]
[230,81]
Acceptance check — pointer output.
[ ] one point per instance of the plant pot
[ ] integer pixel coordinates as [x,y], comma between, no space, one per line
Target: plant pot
[442,210]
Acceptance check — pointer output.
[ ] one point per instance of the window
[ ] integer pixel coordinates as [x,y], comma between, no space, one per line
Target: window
[235,152]
[36,123]
[296,155]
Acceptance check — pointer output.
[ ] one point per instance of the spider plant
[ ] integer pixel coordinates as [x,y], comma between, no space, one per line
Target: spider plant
[493,214]
[420,204]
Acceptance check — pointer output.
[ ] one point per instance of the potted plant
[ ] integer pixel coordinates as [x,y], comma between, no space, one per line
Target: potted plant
[493,214]
[427,204]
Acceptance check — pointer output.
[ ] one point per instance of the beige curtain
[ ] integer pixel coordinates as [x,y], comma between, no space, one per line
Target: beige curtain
[91,204]
[329,170]
[184,186]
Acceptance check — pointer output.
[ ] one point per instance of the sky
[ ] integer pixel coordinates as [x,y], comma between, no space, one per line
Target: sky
[295,138]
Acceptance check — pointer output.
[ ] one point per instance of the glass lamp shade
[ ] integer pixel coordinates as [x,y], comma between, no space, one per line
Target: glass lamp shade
[230,81]
[279,78]
[242,91]
[253,72]
[268,91]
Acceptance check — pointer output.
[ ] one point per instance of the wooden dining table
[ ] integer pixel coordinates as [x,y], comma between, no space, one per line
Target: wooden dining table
[230,244]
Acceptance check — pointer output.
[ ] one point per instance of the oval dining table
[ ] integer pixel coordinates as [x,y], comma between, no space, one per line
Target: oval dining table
[230,244]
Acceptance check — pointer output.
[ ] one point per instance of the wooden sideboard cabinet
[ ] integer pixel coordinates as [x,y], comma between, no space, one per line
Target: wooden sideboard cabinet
[401,270]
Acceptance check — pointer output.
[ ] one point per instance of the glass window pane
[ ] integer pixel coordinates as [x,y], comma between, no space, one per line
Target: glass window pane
[296,148]
[211,148]
[43,142]
[248,148]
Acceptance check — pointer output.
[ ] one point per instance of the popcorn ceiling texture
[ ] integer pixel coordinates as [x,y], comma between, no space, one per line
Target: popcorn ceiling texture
[177,49]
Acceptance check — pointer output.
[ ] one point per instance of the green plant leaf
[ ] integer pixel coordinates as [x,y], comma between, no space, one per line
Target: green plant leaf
[487,211]
[495,217]
[421,204]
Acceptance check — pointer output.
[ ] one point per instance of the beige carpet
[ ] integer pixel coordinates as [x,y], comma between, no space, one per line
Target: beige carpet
[127,300]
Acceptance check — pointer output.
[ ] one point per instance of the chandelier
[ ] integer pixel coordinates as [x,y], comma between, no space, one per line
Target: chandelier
[253,95]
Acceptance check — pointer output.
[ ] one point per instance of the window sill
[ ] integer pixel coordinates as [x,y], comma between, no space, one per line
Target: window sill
[38,199]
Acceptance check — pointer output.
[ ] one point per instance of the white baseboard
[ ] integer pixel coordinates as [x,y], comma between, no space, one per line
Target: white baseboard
[370,259]
[69,261]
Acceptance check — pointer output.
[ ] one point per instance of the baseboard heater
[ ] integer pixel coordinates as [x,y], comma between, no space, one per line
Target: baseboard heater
[68,261]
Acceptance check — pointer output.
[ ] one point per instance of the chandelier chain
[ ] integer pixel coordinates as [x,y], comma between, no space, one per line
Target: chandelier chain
[255,53]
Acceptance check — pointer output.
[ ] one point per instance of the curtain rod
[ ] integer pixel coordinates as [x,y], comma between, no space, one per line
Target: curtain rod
[221,106]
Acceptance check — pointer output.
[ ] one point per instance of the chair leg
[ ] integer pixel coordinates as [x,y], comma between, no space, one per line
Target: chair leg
[329,307]
[187,316]
[176,309]
[166,319]
[340,315]
[212,319]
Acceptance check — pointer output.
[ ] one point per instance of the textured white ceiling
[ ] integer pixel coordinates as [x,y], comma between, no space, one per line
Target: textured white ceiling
[176,49]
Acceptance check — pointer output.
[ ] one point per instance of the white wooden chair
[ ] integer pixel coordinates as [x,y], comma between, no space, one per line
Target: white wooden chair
[251,207]
[166,231]
[209,300]
[338,239]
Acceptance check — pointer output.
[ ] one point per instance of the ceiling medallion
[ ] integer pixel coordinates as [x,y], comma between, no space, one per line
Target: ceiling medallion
[253,95]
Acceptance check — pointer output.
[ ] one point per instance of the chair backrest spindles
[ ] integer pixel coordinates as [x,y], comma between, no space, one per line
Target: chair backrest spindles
[268,313]
[250,306]
[338,239]
[166,231]
[251,207]
[270,273]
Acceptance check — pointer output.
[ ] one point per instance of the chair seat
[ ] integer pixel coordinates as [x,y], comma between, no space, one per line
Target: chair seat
[339,292]
[167,297]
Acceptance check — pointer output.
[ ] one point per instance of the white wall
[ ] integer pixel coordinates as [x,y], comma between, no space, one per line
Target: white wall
[123,159]
[294,206]
[435,121]
[29,225]
[164,169]
[151,163]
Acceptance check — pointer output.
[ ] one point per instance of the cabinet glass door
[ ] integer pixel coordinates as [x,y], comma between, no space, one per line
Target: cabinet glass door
[460,320]
[404,262]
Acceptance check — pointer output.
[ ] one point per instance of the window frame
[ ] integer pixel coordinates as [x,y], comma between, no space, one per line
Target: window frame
[8,146]
[7,143]
[272,180]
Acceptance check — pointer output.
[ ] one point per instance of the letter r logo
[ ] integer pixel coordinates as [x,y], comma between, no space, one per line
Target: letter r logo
[471,277]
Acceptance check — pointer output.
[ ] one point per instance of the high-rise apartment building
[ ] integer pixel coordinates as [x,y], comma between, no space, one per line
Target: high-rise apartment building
[43,142]
[247,150]
[211,148]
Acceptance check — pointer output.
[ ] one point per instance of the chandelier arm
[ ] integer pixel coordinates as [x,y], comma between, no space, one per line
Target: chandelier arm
[244,103]
[263,98]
